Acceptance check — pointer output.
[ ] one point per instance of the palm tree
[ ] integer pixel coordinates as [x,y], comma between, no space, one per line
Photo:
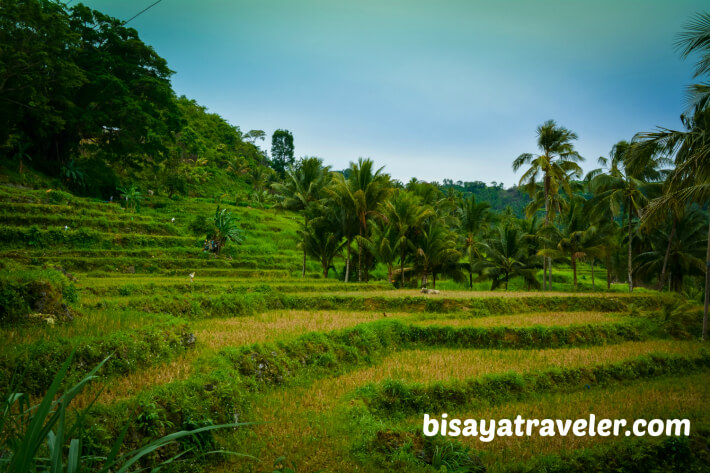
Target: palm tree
[683,257]
[382,245]
[474,218]
[625,187]
[690,180]
[436,250]
[404,213]
[547,235]
[555,166]
[696,39]
[362,192]
[303,187]
[506,257]
[323,241]
[576,238]
[238,165]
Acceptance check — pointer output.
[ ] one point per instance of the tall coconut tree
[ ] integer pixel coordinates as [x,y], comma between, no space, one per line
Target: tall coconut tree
[301,189]
[690,148]
[436,250]
[577,239]
[362,192]
[554,167]
[684,256]
[404,213]
[625,186]
[689,182]
[323,240]
[474,218]
[382,245]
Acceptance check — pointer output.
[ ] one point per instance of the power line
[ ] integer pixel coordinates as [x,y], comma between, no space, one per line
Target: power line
[141,12]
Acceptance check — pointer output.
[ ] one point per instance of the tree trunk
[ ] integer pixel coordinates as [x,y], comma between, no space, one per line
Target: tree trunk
[470,280]
[630,268]
[707,289]
[546,262]
[608,272]
[549,271]
[325,271]
[347,262]
[544,273]
[305,229]
[662,277]
[401,268]
[389,273]
[359,257]
[574,272]
[424,279]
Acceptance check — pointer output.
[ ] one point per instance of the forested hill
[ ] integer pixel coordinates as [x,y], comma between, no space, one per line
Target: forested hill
[495,194]
[101,114]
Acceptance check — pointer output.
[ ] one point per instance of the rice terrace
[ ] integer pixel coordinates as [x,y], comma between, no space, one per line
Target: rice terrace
[176,296]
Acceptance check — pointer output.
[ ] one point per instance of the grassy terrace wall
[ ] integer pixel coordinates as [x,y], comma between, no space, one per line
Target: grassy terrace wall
[263,298]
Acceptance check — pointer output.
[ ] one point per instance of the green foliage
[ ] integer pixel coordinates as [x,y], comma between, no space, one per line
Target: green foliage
[39,438]
[282,151]
[46,292]
[131,350]
[224,229]
[132,196]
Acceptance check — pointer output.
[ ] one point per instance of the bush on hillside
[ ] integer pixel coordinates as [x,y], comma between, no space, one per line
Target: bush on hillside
[45,292]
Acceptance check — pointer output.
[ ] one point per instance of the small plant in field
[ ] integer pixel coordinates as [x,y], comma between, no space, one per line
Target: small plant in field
[225,229]
[132,196]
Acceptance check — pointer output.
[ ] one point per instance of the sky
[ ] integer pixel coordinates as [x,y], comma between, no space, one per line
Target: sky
[429,89]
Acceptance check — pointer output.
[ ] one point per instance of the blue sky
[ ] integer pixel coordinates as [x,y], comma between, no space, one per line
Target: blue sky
[428,89]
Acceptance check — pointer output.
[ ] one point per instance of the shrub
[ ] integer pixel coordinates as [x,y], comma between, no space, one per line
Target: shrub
[35,291]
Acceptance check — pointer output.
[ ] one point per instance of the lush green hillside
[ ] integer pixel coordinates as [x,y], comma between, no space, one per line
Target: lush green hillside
[341,373]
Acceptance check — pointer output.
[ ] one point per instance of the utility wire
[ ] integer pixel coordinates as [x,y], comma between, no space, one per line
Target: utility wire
[142,11]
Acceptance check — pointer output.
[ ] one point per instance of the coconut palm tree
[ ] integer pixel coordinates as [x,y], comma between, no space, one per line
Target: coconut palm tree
[302,188]
[625,187]
[323,240]
[696,39]
[382,244]
[474,219]
[689,182]
[577,239]
[684,257]
[362,192]
[555,166]
[436,251]
[404,213]
[507,257]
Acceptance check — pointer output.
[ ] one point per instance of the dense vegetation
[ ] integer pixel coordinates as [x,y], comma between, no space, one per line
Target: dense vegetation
[226,285]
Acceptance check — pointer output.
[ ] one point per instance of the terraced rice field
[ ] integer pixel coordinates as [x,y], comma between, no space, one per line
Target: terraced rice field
[336,376]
